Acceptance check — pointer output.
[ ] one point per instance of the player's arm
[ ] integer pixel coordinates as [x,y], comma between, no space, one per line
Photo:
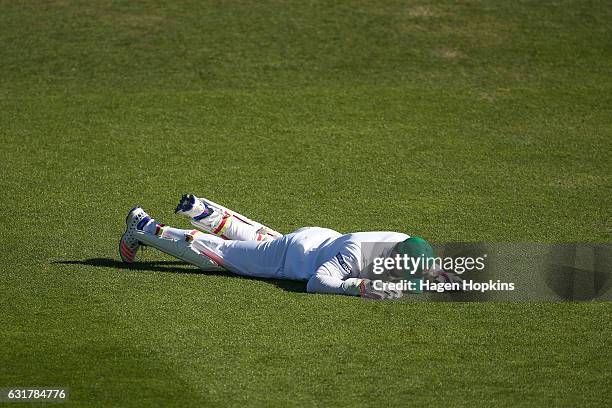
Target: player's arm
[336,277]
[324,282]
[331,277]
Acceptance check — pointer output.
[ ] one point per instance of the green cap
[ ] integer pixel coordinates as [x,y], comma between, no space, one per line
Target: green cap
[415,247]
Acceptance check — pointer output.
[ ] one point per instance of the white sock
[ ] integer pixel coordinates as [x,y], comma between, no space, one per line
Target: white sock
[173,233]
[154,228]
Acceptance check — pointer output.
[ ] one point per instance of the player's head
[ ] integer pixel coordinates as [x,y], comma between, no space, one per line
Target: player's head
[417,249]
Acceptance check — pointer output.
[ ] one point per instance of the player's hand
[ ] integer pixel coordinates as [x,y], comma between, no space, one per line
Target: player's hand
[368,291]
[441,276]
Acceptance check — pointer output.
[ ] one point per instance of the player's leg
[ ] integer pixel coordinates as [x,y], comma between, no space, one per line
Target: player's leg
[215,219]
[180,248]
[262,259]
[143,230]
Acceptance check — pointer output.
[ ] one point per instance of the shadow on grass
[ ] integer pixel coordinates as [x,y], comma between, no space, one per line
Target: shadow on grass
[178,267]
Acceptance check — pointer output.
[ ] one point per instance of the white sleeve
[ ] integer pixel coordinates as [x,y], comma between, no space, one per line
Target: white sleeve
[335,275]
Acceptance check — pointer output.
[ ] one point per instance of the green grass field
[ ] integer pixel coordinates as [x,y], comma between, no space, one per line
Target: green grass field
[456,121]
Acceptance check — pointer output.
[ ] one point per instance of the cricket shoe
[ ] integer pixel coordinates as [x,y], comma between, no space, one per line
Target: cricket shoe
[136,219]
[192,207]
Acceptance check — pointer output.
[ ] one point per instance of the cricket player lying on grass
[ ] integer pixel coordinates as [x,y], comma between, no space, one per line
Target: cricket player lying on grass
[329,261]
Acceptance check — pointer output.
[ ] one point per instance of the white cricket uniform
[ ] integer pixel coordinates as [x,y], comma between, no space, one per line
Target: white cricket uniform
[321,256]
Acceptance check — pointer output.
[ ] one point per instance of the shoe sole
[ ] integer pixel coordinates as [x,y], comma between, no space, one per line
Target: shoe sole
[124,248]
